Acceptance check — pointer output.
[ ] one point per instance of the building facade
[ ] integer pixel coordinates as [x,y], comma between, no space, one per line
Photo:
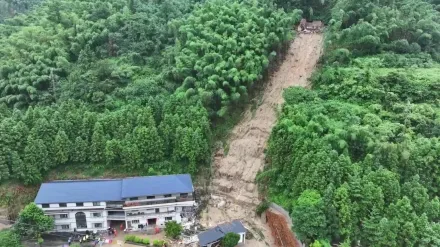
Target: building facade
[133,203]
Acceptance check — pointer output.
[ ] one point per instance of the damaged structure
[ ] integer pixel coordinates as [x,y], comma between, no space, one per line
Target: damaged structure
[132,203]
[213,236]
[310,27]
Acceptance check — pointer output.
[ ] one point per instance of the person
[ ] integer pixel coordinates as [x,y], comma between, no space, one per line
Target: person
[116,233]
[121,227]
[69,241]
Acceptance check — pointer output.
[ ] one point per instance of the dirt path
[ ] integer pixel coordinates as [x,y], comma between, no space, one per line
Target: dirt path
[233,192]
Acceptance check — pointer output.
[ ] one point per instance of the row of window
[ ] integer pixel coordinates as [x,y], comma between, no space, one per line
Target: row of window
[78,204]
[184,195]
[95,225]
[65,216]
[137,221]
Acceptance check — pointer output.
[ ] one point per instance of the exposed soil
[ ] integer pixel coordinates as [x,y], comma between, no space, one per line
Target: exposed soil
[233,192]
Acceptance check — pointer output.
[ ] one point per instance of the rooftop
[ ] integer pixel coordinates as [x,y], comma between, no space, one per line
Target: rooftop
[218,232]
[112,189]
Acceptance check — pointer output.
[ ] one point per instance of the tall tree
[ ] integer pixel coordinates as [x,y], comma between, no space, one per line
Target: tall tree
[62,147]
[308,213]
[80,150]
[97,146]
[32,221]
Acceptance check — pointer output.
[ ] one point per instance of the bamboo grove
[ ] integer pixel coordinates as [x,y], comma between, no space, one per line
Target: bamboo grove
[356,159]
[127,84]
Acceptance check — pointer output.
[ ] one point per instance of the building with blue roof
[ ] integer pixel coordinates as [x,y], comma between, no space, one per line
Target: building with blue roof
[135,203]
[214,235]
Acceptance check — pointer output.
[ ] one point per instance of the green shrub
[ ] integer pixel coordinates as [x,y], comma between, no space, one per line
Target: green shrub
[263,206]
[138,240]
[293,95]
[130,238]
[172,229]
[340,56]
[9,238]
[146,241]
[230,240]
[158,243]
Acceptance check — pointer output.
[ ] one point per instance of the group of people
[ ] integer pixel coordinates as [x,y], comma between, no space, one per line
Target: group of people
[93,237]
[112,231]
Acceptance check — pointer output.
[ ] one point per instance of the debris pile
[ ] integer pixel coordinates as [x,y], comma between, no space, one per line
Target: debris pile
[310,27]
[281,232]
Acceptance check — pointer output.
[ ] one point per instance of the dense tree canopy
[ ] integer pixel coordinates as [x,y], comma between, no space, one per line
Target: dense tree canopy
[32,222]
[356,159]
[9,238]
[127,84]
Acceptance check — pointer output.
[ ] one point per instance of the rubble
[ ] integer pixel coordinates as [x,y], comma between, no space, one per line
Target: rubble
[232,193]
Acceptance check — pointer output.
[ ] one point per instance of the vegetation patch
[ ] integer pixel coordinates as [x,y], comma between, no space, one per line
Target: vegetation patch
[355,160]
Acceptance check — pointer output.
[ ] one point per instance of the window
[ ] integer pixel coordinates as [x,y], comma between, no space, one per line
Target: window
[184,195]
[133,198]
[64,216]
[96,204]
[167,195]
[151,197]
[157,210]
[96,215]
[81,221]
[168,218]
[98,225]
[79,204]
[45,205]
[65,227]
[63,205]
[135,221]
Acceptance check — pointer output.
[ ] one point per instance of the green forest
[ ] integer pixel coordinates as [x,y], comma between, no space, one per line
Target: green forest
[356,159]
[134,85]
[146,86]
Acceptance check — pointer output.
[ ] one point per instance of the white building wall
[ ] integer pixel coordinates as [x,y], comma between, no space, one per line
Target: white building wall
[90,220]
[61,221]
[242,238]
[160,219]
[167,212]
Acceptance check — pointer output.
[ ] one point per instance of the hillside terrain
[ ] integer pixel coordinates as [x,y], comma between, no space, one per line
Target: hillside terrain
[355,160]
[92,89]
[234,194]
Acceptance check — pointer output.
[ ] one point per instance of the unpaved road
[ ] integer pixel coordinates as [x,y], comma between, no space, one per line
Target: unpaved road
[233,192]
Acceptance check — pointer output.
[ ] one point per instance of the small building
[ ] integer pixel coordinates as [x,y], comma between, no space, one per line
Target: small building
[133,203]
[214,235]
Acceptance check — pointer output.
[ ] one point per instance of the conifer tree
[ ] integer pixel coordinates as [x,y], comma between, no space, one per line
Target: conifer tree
[97,146]
[80,151]
[62,147]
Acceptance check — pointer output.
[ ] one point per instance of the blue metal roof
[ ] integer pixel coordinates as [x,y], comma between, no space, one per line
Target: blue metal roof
[79,191]
[156,185]
[112,190]
[218,232]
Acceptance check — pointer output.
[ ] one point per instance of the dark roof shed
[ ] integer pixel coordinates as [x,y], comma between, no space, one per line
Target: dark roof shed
[217,233]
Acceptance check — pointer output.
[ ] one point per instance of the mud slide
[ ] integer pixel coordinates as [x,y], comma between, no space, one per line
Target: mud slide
[233,192]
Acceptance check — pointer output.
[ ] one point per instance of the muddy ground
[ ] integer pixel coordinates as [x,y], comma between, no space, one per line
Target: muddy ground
[234,194]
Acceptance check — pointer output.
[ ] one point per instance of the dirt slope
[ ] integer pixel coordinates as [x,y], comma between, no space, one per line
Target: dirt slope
[233,192]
